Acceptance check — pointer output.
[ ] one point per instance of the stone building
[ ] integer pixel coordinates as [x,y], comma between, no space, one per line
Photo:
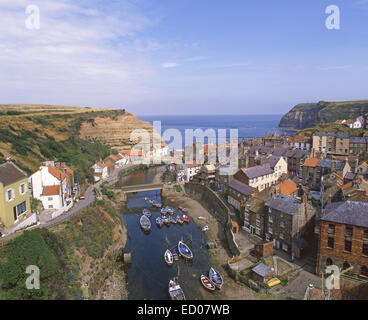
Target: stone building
[344,238]
[288,220]
[254,215]
[238,193]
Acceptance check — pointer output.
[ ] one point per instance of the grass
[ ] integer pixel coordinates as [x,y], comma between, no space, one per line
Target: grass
[331,127]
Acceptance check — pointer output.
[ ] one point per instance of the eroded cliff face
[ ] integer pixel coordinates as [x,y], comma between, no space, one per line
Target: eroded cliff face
[306,115]
[301,118]
[114,132]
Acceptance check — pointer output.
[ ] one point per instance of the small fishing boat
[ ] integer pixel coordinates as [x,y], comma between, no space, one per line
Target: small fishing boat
[169,258]
[156,204]
[185,218]
[179,220]
[205,228]
[173,220]
[150,201]
[175,254]
[169,210]
[215,278]
[185,210]
[146,199]
[184,251]
[207,283]
[163,211]
[180,208]
[175,291]
[145,223]
[202,218]
[159,221]
[147,213]
[166,221]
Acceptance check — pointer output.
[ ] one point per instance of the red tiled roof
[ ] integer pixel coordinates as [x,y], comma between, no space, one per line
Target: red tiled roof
[133,152]
[51,191]
[311,162]
[287,187]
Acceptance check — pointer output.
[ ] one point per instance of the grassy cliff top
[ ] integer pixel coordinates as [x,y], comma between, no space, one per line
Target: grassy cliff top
[30,134]
[331,127]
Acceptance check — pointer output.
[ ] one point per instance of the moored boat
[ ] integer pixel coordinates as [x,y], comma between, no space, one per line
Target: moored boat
[173,220]
[185,218]
[159,221]
[180,208]
[215,277]
[205,228]
[169,258]
[169,210]
[156,204]
[145,223]
[175,254]
[175,291]
[207,283]
[163,211]
[185,210]
[146,199]
[184,251]
[179,220]
[147,213]
[166,221]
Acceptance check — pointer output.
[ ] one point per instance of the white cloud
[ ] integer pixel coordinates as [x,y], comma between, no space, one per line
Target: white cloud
[80,55]
[168,65]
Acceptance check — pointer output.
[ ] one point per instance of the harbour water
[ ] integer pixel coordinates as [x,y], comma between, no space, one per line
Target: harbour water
[148,275]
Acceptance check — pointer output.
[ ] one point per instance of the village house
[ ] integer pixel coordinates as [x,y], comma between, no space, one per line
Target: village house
[295,160]
[14,200]
[53,185]
[238,193]
[119,159]
[357,145]
[288,222]
[222,179]
[189,170]
[254,216]
[344,238]
[207,174]
[135,156]
[331,143]
[287,188]
[101,171]
[300,142]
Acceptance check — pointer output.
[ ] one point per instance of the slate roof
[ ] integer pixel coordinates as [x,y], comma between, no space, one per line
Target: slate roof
[284,204]
[258,171]
[271,160]
[326,163]
[261,269]
[358,140]
[353,213]
[241,187]
[350,176]
[296,153]
[10,173]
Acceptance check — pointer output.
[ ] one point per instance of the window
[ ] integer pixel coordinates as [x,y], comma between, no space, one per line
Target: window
[345,265]
[258,223]
[21,208]
[49,198]
[365,248]
[22,188]
[258,231]
[284,247]
[281,235]
[365,235]
[270,230]
[347,245]
[348,232]
[331,229]
[51,206]
[330,242]
[282,224]
[10,195]
[364,271]
[270,219]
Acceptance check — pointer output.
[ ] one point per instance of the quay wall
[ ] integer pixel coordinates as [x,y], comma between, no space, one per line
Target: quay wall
[214,204]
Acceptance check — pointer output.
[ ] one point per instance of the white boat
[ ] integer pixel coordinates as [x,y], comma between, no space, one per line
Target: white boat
[175,291]
[205,228]
[169,258]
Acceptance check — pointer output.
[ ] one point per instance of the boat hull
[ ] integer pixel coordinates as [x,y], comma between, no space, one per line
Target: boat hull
[216,278]
[184,251]
[207,283]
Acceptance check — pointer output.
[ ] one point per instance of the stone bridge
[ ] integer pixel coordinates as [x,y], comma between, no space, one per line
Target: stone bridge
[141,187]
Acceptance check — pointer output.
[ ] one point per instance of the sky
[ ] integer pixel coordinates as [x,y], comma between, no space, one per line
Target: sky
[183,56]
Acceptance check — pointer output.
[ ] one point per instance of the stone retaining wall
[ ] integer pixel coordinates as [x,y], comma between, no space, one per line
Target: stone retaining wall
[214,204]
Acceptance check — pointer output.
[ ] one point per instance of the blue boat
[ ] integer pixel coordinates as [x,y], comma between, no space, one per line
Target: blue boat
[147,213]
[175,291]
[145,223]
[215,278]
[184,251]
[163,211]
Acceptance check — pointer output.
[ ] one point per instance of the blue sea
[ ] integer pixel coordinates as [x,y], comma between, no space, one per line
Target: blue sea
[247,125]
